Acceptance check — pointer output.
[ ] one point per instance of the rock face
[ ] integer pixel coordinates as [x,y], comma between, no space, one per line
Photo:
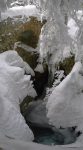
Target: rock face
[24,105]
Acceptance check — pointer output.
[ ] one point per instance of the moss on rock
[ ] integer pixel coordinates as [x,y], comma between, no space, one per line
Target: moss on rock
[24,104]
[67,64]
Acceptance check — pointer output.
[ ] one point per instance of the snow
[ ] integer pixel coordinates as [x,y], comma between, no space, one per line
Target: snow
[14,87]
[80,15]
[65,104]
[8,144]
[39,68]
[67,52]
[28,69]
[58,76]
[28,10]
[73,28]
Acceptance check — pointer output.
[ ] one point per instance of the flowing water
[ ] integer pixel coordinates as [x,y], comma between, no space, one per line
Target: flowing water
[47,136]
[61,136]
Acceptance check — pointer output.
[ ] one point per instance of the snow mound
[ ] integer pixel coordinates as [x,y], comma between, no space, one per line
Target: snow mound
[65,104]
[14,87]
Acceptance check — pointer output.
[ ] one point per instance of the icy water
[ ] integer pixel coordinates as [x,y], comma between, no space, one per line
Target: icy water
[62,136]
[47,136]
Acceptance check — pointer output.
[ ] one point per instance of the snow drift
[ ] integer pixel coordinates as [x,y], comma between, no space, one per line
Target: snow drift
[14,87]
[65,104]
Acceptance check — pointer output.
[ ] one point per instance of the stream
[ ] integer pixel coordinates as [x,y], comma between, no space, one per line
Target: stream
[47,137]
[44,133]
[61,136]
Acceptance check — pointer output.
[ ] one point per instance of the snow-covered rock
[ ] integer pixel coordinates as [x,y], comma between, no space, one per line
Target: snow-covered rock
[65,104]
[14,87]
